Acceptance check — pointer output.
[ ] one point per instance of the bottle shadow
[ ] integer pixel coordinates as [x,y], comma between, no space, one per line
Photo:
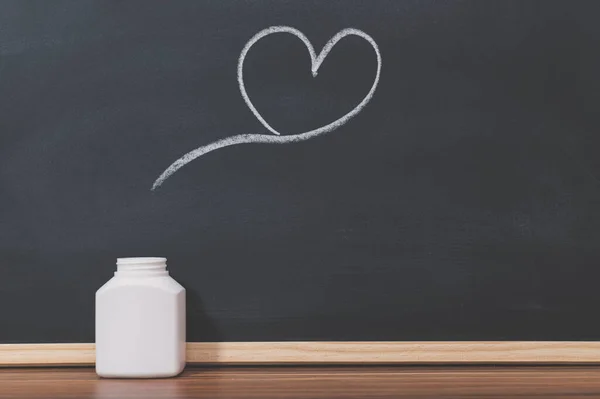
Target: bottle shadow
[200,328]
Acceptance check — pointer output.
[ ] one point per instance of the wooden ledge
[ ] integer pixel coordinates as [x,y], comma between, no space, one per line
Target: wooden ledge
[241,353]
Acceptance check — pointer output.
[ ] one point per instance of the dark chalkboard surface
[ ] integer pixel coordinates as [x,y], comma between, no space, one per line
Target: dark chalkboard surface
[461,203]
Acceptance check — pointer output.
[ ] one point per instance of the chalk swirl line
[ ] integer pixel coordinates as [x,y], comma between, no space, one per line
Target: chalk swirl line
[316,61]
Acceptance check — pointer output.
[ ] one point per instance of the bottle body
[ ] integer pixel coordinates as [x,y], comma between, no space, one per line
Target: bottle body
[140,322]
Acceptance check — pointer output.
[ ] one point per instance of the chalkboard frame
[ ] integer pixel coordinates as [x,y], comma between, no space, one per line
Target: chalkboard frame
[279,353]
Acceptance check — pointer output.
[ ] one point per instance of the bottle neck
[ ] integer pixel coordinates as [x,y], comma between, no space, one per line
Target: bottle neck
[141,267]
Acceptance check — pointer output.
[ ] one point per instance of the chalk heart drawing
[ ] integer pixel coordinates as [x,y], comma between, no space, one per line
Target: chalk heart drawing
[316,61]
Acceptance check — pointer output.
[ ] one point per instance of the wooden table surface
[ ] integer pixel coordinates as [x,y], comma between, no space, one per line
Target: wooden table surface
[311,382]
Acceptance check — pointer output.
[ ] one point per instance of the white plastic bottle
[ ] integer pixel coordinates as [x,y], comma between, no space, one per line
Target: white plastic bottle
[140,321]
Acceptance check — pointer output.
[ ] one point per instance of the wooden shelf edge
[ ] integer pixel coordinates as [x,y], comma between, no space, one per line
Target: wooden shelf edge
[241,353]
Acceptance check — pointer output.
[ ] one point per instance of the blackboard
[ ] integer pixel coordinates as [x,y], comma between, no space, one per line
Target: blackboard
[461,203]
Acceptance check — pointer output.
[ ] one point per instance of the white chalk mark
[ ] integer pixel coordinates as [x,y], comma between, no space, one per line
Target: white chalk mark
[316,62]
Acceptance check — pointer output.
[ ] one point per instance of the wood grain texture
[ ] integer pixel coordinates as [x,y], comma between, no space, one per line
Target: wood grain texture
[257,353]
[309,382]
